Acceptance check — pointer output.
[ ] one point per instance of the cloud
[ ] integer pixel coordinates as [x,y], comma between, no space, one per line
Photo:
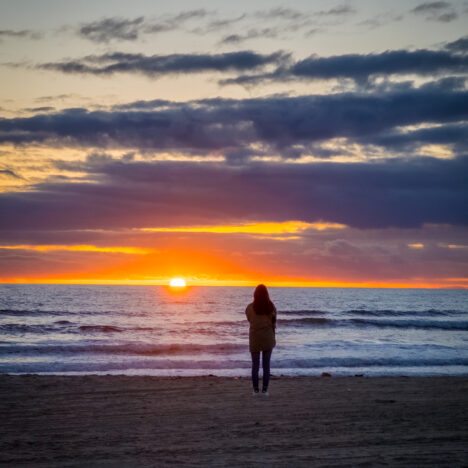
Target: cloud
[285,227]
[460,45]
[362,67]
[219,24]
[340,10]
[381,19]
[280,13]
[39,109]
[24,33]
[9,173]
[124,29]
[173,22]
[436,11]
[156,65]
[108,29]
[359,66]
[280,21]
[455,136]
[270,33]
[277,125]
[79,248]
[401,193]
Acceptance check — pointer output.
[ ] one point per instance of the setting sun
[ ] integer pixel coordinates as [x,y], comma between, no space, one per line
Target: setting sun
[177,283]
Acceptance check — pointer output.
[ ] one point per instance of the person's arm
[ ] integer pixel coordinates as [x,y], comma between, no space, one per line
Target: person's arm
[247,313]
[273,318]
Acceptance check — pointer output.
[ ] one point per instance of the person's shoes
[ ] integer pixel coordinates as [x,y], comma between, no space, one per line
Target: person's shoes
[255,393]
[265,393]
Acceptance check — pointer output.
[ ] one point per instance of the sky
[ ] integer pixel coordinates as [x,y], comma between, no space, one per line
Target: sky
[307,143]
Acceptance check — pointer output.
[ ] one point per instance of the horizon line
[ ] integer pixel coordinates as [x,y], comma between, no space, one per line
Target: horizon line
[273,284]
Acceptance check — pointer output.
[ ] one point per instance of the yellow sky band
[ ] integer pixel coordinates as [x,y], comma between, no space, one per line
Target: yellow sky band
[287,227]
[80,248]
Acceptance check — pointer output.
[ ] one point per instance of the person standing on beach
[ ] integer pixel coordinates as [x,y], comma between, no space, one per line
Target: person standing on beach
[261,314]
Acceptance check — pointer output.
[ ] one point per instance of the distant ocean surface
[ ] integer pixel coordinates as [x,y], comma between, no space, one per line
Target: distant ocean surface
[149,330]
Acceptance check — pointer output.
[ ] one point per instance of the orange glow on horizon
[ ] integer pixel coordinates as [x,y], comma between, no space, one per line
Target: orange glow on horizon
[440,283]
[177,283]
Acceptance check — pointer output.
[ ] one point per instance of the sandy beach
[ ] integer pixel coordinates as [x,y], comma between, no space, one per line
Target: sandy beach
[210,421]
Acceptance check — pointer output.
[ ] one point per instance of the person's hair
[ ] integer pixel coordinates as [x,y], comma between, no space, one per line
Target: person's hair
[262,303]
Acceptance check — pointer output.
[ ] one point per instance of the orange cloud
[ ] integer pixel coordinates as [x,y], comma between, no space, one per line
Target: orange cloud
[80,248]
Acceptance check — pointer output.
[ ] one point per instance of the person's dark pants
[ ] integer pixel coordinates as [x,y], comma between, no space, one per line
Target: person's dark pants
[266,356]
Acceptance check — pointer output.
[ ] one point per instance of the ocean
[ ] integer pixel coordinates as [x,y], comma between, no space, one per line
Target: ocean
[152,330]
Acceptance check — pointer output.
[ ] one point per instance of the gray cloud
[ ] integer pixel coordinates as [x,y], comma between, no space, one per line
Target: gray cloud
[339,10]
[281,125]
[460,45]
[358,67]
[361,68]
[173,22]
[401,193]
[124,29]
[436,11]
[109,29]
[24,33]
[270,33]
[219,24]
[280,13]
[155,65]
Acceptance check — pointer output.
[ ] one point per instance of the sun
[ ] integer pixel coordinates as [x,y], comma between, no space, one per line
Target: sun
[177,283]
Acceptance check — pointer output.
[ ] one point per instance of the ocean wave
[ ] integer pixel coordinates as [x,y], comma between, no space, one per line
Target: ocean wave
[100,328]
[20,328]
[309,320]
[302,312]
[397,313]
[415,323]
[377,312]
[426,324]
[65,326]
[370,362]
[54,313]
[130,348]
[239,364]
[25,312]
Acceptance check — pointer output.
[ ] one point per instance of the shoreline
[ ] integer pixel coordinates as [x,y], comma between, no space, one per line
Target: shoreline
[215,421]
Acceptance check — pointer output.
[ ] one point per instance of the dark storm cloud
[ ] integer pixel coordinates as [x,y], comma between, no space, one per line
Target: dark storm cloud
[155,65]
[124,29]
[436,11]
[287,126]
[399,193]
[360,67]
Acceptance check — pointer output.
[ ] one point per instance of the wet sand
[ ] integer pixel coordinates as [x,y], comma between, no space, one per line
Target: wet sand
[209,421]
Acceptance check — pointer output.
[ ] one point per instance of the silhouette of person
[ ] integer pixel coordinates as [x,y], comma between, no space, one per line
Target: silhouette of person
[261,314]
